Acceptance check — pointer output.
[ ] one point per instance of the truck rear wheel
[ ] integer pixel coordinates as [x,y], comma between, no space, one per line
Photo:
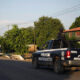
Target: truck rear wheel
[35,63]
[58,67]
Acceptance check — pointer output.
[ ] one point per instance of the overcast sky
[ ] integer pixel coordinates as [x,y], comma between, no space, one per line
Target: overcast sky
[25,12]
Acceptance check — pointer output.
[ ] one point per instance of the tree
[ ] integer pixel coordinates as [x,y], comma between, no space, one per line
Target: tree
[76,23]
[9,40]
[16,40]
[46,28]
[28,35]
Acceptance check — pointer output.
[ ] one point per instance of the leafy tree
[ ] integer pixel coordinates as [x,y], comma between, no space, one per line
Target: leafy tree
[0,39]
[76,23]
[46,28]
[28,35]
[16,40]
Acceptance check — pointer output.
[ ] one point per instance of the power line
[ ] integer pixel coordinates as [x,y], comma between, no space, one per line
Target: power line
[68,10]
[63,12]
[59,13]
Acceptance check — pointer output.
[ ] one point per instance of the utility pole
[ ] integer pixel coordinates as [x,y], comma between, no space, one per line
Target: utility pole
[8,27]
[34,38]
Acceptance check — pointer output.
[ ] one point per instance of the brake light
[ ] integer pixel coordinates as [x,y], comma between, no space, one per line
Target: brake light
[68,54]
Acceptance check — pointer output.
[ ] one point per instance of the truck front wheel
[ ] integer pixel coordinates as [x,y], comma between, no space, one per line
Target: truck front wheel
[58,67]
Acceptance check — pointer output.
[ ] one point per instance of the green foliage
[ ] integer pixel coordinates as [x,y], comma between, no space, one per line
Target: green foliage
[0,39]
[28,35]
[16,40]
[76,23]
[46,28]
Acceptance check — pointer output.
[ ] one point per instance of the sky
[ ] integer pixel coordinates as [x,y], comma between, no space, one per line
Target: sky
[25,12]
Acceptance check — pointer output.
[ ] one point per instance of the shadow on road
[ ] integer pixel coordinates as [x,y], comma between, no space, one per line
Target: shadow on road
[22,70]
[67,75]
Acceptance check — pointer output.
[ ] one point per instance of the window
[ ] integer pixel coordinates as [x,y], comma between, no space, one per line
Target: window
[60,44]
[77,33]
[74,44]
[56,44]
[45,46]
[64,44]
[70,34]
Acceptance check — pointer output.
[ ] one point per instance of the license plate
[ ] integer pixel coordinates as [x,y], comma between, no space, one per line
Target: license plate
[44,59]
[76,58]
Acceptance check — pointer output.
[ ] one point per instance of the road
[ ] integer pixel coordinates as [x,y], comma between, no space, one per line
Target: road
[20,70]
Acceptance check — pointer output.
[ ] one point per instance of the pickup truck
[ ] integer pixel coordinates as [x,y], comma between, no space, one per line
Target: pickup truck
[58,54]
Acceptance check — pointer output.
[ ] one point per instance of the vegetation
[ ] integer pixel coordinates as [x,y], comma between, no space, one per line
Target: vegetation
[76,23]
[46,28]
[16,40]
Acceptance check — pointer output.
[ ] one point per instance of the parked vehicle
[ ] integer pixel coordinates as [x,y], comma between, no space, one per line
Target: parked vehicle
[58,54]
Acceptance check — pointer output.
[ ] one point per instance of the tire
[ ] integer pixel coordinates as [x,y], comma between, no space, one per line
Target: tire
[35,63]
[58,67]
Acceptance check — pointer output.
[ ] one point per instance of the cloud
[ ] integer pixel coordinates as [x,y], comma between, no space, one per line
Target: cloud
[28,24]
[4,22]
[19,23]
[5,25]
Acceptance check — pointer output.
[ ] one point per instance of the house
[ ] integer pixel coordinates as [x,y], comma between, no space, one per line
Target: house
[75,32]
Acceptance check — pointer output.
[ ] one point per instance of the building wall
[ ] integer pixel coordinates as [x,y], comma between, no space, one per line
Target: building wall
[75,34]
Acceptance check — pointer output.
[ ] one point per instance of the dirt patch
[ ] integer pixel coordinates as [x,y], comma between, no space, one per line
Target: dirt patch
[28,60]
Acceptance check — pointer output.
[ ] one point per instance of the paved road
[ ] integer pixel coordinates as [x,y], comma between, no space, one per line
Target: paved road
[18,70]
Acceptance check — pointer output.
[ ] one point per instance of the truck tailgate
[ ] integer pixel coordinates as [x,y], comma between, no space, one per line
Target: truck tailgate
[75,54]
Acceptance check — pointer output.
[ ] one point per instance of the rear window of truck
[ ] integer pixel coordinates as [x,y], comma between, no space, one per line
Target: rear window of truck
[74,44]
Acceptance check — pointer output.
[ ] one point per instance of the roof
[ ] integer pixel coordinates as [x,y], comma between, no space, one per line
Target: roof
[74,29]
